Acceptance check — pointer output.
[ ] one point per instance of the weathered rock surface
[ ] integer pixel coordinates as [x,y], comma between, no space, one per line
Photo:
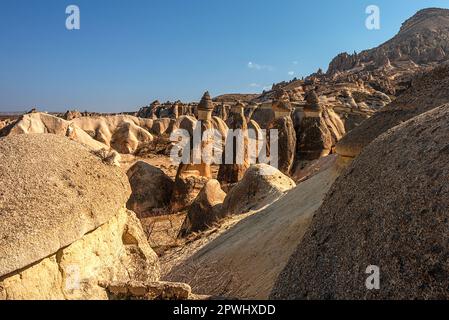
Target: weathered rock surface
[235,160]
[138,290]
[388,209]
[72,114]
[188,185]
[261,185]
[37,122]
[315,138]
[160,125]
[245,260]
[428,91]
[286,143]
[62,199]
[205,210]
[263,115]
[151,189]
[123,133]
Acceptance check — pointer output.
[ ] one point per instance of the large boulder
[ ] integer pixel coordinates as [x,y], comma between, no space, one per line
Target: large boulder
[187,186]
[63,226]
[260,186]
[151,189]
[388,209]
[205,210]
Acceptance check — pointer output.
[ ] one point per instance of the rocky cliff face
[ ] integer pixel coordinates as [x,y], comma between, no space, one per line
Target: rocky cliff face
[358,85]
[422,39]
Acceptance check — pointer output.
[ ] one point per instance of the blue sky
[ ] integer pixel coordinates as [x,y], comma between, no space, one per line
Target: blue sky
[128,53]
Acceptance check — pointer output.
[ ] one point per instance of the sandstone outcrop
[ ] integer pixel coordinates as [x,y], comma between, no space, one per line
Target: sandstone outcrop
[151,189]
[388,209]
[62,199]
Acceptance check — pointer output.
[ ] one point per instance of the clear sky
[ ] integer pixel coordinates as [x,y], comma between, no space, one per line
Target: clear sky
[128,53]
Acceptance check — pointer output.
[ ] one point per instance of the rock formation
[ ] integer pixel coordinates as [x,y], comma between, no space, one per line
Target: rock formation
[286,132]
[252,253]
[72,114]
[62,199]
[428,91]
[421,39]
[205,210]
[261,185]
[205,121]
[151,189]
[233,168]
[36,122]
[188,184]
[160,126]
[315,139]
[388,209]
[123,133]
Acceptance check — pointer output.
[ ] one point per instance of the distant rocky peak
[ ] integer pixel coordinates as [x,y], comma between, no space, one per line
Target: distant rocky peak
[423,15]
[422,39]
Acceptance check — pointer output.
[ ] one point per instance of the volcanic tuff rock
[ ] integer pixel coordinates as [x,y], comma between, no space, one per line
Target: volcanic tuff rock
[205,210]
[151,189]
[188,185]
[261,185]
[424,38]
[388,209]
[286,143]
[59,197]
[72,114]
[233,168]
[428,90]
[252,253]
[37,122]
[123,133]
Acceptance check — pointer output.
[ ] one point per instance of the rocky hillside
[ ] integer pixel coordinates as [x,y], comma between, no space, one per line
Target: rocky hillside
[358,85]
[422,39]
[428,91]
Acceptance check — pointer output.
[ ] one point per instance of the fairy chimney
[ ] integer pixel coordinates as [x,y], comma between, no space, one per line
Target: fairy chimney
[205,107]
